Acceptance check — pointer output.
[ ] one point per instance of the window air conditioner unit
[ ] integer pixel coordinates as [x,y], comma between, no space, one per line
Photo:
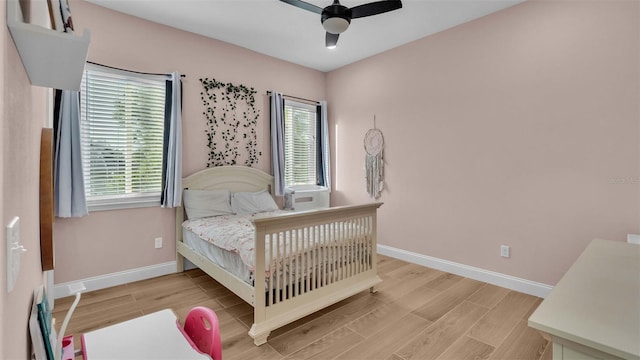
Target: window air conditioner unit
[306,197]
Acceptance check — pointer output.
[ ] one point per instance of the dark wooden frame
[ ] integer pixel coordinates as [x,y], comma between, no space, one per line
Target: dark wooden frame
[46,199]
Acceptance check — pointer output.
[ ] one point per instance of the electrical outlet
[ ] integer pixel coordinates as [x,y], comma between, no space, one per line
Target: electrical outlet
[504,251]
[158,243]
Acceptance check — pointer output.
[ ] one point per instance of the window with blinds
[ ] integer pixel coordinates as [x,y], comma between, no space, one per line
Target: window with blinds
[300,148]
[122,132]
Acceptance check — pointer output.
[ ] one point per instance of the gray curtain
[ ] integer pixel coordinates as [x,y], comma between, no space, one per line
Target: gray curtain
[324,159]
[277,141]
[172,158]
[68,177]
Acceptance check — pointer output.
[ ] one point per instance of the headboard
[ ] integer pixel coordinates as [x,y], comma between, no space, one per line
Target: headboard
[233,178]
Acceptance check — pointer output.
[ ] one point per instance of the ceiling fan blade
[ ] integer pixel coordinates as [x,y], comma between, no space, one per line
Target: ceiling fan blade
[304,5]
[332,40]
[374,8]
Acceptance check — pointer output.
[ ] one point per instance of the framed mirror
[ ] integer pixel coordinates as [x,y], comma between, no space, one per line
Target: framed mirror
[46,199]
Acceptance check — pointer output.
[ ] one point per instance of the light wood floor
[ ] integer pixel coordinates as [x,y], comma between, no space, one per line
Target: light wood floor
[417,313]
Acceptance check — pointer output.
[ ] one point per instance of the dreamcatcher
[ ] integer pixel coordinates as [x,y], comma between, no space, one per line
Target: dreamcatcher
[374,146]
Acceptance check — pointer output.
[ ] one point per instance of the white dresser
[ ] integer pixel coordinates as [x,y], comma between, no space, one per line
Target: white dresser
[594,311]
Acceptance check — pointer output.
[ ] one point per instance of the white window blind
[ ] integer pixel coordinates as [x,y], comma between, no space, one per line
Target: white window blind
[122,131]
[300,146]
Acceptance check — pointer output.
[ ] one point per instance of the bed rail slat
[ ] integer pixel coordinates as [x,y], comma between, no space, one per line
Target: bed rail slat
[272,260]
[289,268]
[325,257]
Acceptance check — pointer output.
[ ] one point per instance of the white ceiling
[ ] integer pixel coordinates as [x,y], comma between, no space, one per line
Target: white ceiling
[283,31]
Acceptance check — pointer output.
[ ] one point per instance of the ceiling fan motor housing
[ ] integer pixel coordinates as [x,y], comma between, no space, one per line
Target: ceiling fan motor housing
[336,18]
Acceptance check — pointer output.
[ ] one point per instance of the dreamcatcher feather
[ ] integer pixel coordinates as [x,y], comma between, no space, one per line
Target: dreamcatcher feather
[374,162]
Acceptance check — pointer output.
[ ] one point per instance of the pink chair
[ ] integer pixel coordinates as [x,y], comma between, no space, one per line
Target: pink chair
[201,327]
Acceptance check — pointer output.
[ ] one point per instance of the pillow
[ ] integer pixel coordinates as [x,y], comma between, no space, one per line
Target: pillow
[248,203]
[205,203]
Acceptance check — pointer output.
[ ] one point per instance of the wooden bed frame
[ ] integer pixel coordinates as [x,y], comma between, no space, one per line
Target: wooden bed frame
[338,261]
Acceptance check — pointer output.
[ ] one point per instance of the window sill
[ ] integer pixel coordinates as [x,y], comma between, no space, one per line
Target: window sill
[123,203]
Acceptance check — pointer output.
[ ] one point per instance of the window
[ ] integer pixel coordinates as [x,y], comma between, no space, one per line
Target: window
[122,133]
[300,147]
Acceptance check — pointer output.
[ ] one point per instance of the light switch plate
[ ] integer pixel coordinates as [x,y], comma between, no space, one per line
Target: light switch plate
[14,249]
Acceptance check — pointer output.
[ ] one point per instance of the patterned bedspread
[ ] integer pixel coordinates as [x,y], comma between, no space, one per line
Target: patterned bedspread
[230,232]
[235,233]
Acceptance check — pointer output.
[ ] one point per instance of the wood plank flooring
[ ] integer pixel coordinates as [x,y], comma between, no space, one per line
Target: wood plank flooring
[417,313]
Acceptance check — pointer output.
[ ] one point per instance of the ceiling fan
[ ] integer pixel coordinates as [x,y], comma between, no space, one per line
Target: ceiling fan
[337,17]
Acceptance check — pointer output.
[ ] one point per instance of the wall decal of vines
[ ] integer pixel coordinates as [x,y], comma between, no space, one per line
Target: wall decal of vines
[231,114]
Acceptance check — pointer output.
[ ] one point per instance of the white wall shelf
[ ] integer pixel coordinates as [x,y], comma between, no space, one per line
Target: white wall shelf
[52,59]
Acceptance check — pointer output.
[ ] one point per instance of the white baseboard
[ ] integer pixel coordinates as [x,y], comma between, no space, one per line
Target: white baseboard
[506,281]
[114,279]
[148,272]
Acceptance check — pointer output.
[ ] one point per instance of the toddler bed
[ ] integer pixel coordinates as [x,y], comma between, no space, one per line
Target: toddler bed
[308,260]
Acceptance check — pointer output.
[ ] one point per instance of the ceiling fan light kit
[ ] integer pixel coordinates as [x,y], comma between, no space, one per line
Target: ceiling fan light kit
[336,25]
[336,17]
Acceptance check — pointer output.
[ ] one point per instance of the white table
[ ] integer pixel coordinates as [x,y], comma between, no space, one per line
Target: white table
[594,311]
[153,336]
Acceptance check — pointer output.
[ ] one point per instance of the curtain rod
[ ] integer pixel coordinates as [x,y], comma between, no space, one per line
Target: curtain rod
[133,71]
[315,102]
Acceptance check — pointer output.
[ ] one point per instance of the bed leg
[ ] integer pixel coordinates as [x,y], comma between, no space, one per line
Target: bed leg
[179,263]
[373,289]
[258,339]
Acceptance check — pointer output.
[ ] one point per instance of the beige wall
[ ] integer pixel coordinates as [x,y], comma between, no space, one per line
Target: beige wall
[520,128]
[513,129]
[3,41]
[111,241]
[24,113]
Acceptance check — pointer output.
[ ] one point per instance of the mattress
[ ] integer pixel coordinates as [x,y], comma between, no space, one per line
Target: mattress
[228,241]
[228,260]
